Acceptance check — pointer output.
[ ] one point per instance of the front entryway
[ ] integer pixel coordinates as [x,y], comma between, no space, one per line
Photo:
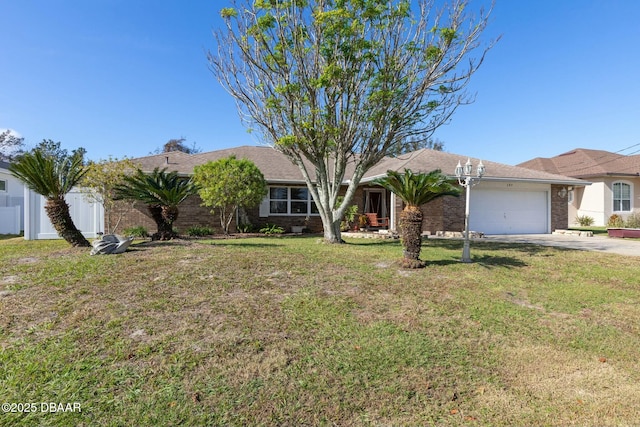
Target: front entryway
[376,202]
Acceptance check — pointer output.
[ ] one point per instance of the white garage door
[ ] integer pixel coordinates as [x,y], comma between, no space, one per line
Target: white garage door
[508,212]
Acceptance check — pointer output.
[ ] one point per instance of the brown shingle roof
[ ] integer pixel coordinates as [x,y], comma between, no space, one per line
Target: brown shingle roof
[584,163]
[276,167]
[273,164]
[426,160]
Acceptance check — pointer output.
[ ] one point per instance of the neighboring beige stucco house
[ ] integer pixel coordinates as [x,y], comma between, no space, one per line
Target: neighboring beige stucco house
[614,178]
[508,200]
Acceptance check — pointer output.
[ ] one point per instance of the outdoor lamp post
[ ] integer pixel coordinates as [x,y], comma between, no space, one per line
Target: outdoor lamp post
[467,180]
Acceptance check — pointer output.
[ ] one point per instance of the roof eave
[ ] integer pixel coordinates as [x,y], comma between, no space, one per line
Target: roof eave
[626,175]
[574,182]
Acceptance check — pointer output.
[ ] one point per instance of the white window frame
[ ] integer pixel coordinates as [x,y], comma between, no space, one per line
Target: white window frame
[309,201]
[621,200]
[6,183]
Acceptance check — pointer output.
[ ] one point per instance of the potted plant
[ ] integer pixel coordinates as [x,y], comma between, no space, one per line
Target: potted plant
[363,221]
[348,220]
[301,228]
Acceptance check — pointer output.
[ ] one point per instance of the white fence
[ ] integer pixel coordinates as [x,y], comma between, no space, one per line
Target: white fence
[87,217]
[10,220]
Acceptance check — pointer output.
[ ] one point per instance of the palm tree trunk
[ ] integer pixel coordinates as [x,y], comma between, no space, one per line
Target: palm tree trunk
[165,229]
[58,213]
[411,234]
[170,214]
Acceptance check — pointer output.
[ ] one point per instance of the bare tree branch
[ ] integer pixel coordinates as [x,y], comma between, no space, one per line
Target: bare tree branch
[336,85]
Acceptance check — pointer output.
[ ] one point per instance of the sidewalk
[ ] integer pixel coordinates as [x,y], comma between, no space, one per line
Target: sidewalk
[595,243]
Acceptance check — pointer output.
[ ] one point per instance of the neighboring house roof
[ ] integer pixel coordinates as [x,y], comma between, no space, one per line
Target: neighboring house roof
[4,165]
[584,163]
[276,167]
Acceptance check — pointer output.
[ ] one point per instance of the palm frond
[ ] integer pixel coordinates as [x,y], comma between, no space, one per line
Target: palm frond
[156,188]
[418,189]
[48,175]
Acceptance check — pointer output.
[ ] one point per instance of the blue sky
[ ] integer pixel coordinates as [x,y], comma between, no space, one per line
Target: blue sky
[121,77]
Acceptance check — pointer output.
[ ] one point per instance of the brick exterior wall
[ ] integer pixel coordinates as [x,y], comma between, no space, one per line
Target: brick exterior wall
[314,224]
[193,214]
[443,214]
[559,209]
[190,214]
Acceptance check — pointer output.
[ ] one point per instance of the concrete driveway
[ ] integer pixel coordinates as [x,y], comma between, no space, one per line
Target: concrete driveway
[595,243]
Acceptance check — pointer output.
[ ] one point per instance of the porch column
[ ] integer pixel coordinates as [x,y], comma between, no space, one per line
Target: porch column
[392,216]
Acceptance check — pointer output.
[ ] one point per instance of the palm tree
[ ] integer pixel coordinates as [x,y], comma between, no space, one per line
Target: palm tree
[53,177]
[415,190]
[162,192]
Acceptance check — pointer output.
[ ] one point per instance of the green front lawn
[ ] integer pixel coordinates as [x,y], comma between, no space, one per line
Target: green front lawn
[291,331]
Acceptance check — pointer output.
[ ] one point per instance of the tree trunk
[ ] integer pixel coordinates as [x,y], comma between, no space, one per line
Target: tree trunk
[58,213]
[411,234]
[332,231]
[170,214]
[165,229]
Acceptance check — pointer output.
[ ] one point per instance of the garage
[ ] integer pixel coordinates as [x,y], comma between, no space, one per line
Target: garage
[510,211]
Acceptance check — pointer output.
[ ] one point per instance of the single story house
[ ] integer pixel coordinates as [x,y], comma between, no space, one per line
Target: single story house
[508,200]
[615,182]
[11,202]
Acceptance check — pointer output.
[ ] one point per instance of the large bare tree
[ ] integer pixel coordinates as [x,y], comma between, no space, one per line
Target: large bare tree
[337,84]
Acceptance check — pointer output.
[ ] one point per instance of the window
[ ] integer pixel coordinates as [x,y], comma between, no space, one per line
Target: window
[299,200]
[278,200]
[291,201]
[621,197]
[3,185]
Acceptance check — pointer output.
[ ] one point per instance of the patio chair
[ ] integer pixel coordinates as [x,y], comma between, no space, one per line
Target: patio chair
[374,221]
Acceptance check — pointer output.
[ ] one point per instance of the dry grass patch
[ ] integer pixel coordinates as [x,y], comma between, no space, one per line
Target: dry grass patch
[552,386]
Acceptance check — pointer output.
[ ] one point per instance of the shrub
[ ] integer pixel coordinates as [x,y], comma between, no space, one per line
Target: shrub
[199,231]
[272,229]
[245,228]
[585,220]
[137,231]
[615,221]
[633,221]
